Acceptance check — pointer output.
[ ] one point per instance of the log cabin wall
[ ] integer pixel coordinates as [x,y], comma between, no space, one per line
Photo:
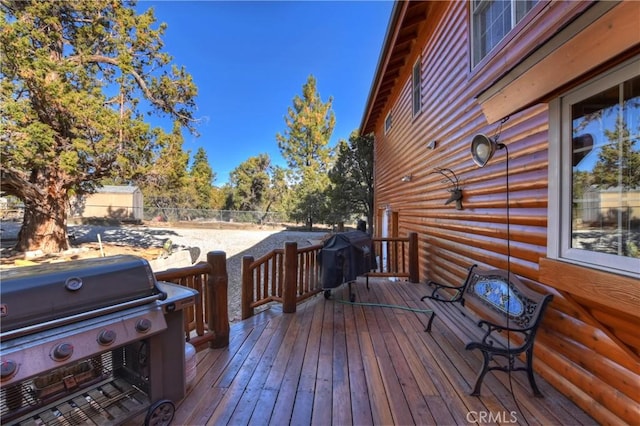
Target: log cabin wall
[588,350]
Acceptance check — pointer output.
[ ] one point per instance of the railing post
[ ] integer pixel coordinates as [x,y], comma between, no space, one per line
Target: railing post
[217,284]
[290,285]
[247,287]
[414,269]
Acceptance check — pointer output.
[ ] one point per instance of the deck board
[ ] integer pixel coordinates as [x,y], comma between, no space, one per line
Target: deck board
[339,363]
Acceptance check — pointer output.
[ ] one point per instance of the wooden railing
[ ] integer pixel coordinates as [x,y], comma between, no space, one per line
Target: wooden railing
[287,276]
[396,257]
[206,323]
[291,275]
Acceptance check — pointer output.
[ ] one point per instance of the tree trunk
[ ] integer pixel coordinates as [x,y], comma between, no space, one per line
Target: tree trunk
[370,229]
[44,225]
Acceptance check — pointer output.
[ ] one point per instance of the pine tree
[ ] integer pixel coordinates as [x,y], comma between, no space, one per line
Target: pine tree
[305,147]
[351,190]
[77,79]
[250,182]
[618,162]
[202,177]
[165,182]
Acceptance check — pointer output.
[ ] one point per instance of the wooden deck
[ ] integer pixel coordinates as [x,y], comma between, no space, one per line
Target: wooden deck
[336,363]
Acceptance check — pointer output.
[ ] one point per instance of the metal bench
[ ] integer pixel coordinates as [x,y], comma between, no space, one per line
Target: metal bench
[508,312]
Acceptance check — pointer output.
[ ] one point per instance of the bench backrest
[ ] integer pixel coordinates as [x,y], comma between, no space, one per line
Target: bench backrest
[506,301]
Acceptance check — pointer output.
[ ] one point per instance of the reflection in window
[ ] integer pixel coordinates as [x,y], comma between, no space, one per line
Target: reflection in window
[606,171]
[492,20]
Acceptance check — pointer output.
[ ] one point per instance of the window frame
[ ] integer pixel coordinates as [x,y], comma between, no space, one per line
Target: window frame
[559,226]
[514,23]
[416,87]
[388,123]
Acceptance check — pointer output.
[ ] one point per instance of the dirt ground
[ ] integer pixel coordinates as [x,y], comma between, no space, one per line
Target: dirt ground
[148,242]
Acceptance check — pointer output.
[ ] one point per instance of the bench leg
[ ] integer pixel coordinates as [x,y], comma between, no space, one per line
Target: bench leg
[486,358]
[532,379]
[428,329]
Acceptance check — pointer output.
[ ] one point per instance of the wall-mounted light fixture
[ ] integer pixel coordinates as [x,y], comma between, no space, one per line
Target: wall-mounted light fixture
[431,145]
[406,178]
[483,148]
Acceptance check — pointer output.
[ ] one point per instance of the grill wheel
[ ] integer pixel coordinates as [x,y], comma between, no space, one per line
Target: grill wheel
[160,414]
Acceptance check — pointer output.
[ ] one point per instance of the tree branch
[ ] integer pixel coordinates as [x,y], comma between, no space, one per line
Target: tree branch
[101,59]
[15,182]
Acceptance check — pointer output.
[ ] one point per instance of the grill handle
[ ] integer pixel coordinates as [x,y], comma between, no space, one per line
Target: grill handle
[11,334]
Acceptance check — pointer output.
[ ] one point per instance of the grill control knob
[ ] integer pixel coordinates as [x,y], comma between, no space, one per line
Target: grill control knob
[62,351]
[8,368]
[106,337]
[143,325]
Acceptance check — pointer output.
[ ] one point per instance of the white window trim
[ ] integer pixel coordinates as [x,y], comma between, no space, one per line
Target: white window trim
[560,177]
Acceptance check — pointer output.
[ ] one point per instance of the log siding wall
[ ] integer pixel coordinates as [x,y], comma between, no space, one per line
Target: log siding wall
[587,351]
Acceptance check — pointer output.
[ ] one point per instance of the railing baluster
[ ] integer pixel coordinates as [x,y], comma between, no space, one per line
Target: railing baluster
[198,312]
[247,287]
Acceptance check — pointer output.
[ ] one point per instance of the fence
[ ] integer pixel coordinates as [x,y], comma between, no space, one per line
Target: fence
[290,275]
[178,214]
[205,215]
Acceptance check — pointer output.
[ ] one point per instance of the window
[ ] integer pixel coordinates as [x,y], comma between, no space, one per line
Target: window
[387,123]
[416,82]
[598,193]
[492,20]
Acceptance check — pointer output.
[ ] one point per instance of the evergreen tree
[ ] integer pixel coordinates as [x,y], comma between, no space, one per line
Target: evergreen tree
[165,183]
[351,190]
[279,191]
[618,162]
[77,79]
[250,182]
[218,197]
[202,177]
[305,147]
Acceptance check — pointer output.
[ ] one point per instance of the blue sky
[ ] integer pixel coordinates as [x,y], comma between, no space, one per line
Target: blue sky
[249,60]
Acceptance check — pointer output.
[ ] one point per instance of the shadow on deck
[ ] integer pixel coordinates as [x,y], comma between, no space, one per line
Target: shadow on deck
[337,363]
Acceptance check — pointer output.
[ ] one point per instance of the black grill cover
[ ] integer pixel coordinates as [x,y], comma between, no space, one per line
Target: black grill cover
[344,257]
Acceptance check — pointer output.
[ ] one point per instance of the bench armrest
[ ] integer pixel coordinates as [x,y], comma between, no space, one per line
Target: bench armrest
[436,295]
[488,339]
[491,327]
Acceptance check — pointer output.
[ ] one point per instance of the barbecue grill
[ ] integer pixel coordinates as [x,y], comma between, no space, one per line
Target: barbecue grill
[94,341]
[344,257]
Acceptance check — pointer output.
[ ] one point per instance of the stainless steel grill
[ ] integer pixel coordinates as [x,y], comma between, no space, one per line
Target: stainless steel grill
[71,355]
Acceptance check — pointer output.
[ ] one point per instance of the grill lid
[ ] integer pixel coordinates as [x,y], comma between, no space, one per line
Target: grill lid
[36,294]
